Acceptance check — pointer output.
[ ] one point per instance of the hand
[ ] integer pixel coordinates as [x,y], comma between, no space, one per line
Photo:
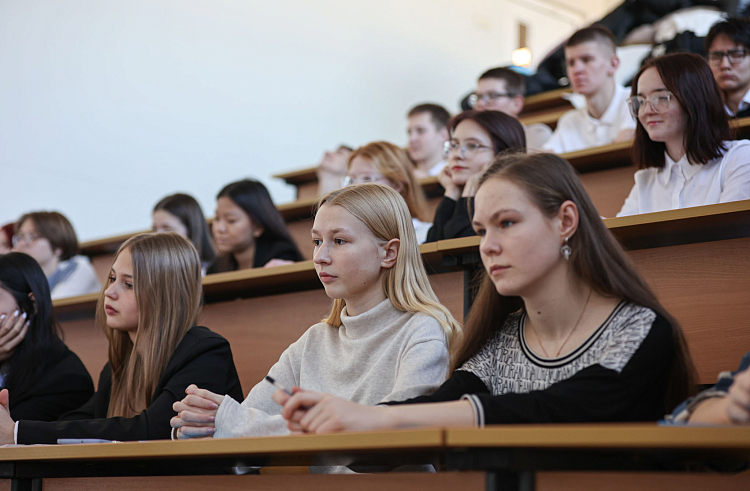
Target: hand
[315,412]
[738,399]
[277,262]
[196,413]
[13,329]
[446,180]
[7,425]
[470,188]
[625,135]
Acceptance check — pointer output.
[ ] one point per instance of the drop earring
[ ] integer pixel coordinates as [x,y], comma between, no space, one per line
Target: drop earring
[565,250]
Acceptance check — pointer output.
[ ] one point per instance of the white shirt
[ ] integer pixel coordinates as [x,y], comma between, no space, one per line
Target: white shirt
[435,169]
[577,129]
[683,184]
[81,281]
[421,229]
[537,135]
[744,104]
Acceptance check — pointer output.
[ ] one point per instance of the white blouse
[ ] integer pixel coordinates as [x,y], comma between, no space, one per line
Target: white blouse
[683,184]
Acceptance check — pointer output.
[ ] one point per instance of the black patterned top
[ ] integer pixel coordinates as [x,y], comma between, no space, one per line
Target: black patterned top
[620,373]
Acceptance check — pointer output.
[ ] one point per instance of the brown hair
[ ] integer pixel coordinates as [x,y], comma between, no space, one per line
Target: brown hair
[167,283]
[505,131]
[515,83]
[596,33]
[54,227]
[689,79]
[438,113]
[597,258]
[186,209]
[393,163]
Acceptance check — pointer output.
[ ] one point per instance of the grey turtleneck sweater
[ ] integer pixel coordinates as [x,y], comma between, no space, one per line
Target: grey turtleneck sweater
[378,356]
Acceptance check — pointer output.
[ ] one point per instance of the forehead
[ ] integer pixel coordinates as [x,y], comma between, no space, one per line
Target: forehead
[650,81]
[28,225]
[421,120]
[469,129]
[226,205]
[498,193]
[361,164]
[592,49]
[123,263]
[486,85]
[330,217]
[722,42]
[165,216]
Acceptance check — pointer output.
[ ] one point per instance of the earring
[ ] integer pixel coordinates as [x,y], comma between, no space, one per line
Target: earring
[565,250]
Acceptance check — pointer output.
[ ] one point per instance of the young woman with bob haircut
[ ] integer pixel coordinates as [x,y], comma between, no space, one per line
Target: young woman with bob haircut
[476,138]
[148,311]
[386,338]
[248,230]
[48,237]
[385,163]
[181,213]
[682,139]
[563,328]
[45,378]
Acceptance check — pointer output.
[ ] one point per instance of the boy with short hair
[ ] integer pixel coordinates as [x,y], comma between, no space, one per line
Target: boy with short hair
[728,47]
[427,131]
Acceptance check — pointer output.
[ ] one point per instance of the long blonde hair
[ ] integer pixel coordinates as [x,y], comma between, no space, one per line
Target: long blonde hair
[394,164]
[384,212]
[168,292]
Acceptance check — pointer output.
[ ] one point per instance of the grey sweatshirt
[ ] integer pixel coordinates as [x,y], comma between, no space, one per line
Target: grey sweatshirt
[378,356]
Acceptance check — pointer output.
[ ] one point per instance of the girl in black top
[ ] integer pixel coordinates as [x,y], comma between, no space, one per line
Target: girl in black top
[148,311]
[563,329]
[248,230]
[45,378]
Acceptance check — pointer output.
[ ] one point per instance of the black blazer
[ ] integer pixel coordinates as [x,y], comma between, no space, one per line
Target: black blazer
[203,358]
[452,220]
[63,385]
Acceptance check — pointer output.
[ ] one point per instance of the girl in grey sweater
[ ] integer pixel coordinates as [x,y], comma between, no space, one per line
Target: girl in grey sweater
[386,339]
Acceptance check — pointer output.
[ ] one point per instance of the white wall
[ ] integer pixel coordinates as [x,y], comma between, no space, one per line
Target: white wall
[106,106]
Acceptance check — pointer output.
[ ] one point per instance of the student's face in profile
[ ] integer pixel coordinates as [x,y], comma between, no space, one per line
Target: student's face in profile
[362,170]
[120,304]
[729,76]
[163,221]
[348,257]
[667,125]
[30,242]
[519,245]
[477,153]
[590,65]
[425,139]
[336,160]
[233,230]
[490,97]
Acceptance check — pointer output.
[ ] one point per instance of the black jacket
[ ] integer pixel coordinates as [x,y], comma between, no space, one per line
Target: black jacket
[203,358]
[63,385]
[452,220]
[266,248]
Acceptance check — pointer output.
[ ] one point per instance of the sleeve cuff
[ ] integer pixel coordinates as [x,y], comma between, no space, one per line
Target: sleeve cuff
[15,433]
[476,404]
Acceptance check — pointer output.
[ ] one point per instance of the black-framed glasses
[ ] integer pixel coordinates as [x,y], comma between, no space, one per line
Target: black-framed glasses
[467,150]
[734,55]
[488,97]
[659,103]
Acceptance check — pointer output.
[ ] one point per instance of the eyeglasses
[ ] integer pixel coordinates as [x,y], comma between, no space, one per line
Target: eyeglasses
[24,238]
[734,55]
[488,97]
[350,180]
[468,150]
[659,102]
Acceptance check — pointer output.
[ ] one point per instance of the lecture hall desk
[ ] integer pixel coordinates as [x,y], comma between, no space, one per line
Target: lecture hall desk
[528,457]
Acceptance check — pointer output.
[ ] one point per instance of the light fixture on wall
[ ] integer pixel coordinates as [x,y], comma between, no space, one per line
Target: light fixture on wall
[521,56]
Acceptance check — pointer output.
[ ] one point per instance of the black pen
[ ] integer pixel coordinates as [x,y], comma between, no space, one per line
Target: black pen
[273,382]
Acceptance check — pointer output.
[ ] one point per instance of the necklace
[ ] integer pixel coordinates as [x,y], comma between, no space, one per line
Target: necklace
[569,334]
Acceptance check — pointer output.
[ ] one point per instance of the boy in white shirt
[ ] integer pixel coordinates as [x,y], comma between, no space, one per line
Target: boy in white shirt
[728,49]
[591,62]
[427,131]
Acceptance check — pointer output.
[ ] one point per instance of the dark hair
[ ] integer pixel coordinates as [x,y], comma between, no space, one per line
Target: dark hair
[9,229]
[596,33]
[736,29]
[505,131]
[21,276]
[689,79]
[439,114]
[254,199]
[54,227]
[189,212]
[515,83]
[597,257]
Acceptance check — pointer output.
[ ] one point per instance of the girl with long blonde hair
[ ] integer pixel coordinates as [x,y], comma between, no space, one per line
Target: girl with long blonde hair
[148,311]
[386,338]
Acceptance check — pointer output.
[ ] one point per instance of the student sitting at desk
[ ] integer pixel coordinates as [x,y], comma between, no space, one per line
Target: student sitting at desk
[386,338]
[148,312]
[563,329]
[181,213]
[248,230]
[385,163]
[682,140]
[476,137]
[44,377]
